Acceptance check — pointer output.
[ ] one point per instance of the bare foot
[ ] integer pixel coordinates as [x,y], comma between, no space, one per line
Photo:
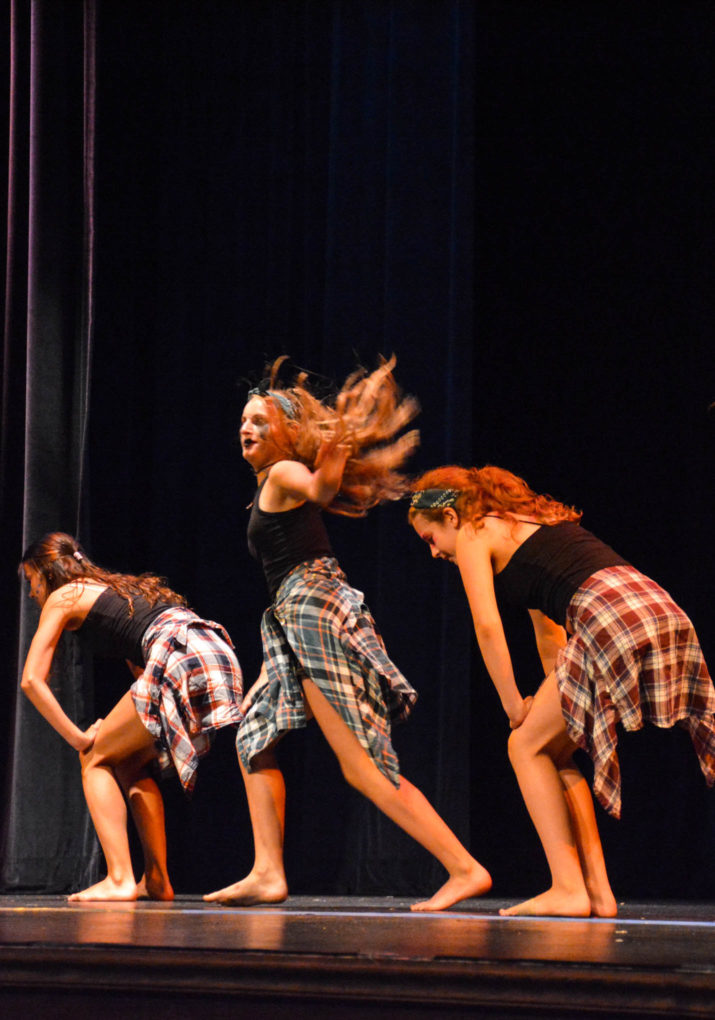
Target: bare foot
[156,889]
[603,904]
[251,889]
[476,882]
[107,889]
[552,903]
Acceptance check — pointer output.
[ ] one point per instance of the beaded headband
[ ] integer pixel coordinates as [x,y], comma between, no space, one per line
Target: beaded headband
[434,499]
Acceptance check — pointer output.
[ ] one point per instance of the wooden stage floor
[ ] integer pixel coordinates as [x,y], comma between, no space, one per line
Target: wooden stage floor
[350,957]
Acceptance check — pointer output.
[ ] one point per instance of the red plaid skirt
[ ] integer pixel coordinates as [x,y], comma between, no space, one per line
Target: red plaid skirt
[191,686]
[633,657]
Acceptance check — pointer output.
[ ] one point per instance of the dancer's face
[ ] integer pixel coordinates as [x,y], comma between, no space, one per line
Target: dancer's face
[257,443]
[441,535]
[37,583]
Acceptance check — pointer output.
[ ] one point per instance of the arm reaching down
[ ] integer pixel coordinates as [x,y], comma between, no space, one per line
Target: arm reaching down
[57,614]
[473,558]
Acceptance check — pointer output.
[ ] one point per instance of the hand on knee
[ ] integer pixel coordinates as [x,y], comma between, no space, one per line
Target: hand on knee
[87,759]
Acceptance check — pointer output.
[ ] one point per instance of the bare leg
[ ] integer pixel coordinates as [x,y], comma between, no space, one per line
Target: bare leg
[534,749]
[147,807]
[406,806]
[121,736]
[583,819]
[266,882]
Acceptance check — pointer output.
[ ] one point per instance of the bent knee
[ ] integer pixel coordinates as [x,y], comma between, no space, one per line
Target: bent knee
[91,759]
[360,772]
[98,756]
[352,775]
[520,746]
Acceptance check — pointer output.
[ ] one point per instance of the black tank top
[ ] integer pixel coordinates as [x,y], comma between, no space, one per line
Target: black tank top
[110,632]
[549,567]
[280,541]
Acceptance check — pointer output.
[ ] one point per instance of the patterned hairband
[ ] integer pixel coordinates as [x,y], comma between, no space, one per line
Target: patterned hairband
[434,499]
[286,405]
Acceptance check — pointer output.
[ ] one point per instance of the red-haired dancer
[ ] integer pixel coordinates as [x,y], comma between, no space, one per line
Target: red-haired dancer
[322,653]
[613,645]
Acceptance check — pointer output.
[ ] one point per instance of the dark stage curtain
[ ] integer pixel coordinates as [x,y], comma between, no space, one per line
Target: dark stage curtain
[314,199]
[594,365]
[49,843]
[301,178]
[313,196]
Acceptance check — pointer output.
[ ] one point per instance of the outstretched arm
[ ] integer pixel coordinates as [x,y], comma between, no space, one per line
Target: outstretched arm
[35,675]
[474,562]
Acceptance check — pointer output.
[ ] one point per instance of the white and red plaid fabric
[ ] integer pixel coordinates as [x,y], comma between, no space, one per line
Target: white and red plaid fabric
[191,686]
[633,657]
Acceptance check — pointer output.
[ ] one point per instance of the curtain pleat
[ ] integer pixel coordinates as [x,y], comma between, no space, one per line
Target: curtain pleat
[49,843]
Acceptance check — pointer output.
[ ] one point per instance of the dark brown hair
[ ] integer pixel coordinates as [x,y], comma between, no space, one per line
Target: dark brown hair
[60,560]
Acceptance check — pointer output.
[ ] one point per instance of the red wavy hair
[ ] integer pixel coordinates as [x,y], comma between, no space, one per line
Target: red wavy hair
[369,413]
[488,490]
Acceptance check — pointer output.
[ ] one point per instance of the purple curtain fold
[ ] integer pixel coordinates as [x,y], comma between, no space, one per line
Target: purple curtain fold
[48,841]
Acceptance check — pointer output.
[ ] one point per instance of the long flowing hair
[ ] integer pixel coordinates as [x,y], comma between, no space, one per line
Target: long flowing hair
[487,490]
[60,559]
[368,413]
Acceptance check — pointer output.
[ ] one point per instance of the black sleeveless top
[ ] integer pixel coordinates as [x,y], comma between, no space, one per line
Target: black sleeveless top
[282,540]
[548,568]
[109,631]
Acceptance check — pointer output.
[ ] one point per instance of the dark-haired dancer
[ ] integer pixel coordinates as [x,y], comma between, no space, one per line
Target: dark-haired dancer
[187,684]
[322,653]
[614,648]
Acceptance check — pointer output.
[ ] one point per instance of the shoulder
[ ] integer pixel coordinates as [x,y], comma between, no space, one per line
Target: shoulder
[496,539]
[474,544]
[285,469]
[71,603]
[484,534]
[286,485]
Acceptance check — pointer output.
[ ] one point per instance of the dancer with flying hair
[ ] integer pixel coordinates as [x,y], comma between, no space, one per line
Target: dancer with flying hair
[322,653]
[613,645]
[187,685]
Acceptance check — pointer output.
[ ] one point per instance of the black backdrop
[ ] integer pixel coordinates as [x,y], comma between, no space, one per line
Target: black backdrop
[513,197]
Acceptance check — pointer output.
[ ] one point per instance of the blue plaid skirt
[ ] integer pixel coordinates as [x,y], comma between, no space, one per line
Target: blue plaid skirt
[191,686]
[320,629]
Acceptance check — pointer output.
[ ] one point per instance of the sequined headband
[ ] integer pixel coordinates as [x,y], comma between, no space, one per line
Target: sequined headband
[286,405]
[434,499]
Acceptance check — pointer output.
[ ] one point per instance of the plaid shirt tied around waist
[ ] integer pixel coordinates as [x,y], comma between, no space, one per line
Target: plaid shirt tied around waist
[633,657]
[191,686]
[320,629]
